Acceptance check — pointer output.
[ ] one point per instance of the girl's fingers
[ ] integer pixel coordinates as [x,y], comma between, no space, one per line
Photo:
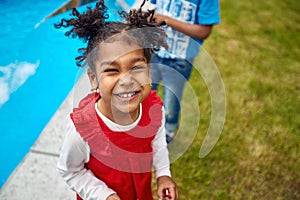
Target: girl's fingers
[160,194]
[173,193]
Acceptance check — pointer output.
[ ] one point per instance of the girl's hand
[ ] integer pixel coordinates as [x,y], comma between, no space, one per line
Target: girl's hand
[113,197]
[166,183]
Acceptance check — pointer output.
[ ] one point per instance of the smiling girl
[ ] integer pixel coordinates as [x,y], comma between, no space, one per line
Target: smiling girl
[117,135]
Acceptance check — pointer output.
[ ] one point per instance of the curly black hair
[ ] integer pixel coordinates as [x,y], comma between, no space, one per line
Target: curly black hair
[92,27]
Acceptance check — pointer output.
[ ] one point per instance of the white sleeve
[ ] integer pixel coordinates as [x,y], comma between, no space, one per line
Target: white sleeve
[71,166]
[161,162]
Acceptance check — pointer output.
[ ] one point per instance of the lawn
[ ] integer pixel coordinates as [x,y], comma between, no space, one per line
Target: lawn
[256,49]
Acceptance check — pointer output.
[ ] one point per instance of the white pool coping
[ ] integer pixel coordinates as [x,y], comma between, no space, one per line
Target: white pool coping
[36,177]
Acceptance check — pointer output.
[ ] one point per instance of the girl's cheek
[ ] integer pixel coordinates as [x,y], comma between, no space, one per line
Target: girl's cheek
[143,78]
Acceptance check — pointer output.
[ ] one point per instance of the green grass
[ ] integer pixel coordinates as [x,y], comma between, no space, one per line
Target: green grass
[257,50]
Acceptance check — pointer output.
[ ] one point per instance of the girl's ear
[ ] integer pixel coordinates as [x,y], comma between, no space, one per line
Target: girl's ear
[93,79]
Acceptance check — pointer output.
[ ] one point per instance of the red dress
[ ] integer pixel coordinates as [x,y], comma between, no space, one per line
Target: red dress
[123,160]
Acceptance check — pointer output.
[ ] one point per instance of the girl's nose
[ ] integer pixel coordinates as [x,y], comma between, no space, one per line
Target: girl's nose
[126,79]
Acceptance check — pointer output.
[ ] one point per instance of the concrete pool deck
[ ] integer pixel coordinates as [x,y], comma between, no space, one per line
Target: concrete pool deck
[36,177]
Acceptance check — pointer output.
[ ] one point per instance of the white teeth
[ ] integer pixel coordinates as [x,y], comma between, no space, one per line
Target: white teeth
[126,95]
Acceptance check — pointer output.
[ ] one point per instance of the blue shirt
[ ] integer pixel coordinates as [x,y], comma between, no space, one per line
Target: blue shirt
[203,12]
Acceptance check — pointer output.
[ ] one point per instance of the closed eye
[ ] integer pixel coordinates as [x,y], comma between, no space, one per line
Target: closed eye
[110,70]
[139,67]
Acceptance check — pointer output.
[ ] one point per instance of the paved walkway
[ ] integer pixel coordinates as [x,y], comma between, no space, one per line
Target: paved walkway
[36,177]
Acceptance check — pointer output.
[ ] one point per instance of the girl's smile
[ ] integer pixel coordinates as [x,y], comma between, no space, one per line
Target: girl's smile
[127,96]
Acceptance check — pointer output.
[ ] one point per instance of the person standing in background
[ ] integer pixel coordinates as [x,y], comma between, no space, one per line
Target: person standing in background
[187,24]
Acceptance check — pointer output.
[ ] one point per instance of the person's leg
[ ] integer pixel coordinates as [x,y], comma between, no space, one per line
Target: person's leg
[175,73]
[155,72]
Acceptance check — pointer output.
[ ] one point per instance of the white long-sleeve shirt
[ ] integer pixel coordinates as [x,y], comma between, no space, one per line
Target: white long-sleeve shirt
[75,152]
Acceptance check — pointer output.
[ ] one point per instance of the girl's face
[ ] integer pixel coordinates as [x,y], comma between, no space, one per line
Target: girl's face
[123,78]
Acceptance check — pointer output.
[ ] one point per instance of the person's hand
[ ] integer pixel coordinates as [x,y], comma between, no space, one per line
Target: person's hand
[113,197]
[166,183]
[160,19]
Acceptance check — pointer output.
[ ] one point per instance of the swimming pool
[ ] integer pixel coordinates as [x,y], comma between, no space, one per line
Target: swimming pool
[26,107]
[37,71]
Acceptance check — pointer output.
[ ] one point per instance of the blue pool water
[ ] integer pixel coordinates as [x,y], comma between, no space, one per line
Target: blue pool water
[37,71]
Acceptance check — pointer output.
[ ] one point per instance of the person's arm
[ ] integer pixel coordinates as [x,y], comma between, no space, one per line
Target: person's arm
[71,166]
[161,164]
[197,31]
